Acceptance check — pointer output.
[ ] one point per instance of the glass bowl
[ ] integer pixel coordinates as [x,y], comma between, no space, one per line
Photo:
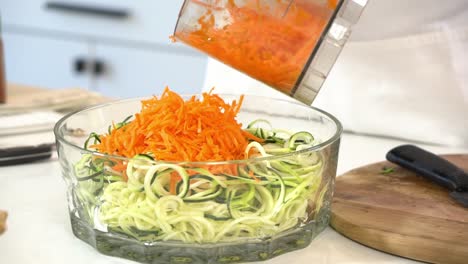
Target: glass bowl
[248,210]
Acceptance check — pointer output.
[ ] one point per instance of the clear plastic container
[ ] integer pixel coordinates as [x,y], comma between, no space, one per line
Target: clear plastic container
[262,207]
[289,45]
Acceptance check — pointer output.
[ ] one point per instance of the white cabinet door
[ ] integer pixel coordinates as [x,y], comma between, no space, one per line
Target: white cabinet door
[144,21]
[130,72]
[44,62]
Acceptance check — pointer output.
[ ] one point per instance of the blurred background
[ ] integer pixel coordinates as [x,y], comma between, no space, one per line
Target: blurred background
[115,47]
[406,61]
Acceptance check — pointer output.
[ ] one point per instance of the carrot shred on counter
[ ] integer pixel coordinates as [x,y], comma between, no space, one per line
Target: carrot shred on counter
[271,43]
[173,129]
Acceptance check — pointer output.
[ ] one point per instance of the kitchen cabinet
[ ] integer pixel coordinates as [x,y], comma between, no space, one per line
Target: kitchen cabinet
[45,62]
[129,21]
[142,72]
[119,48]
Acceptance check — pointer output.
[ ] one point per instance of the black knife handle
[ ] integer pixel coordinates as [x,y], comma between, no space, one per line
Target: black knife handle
[430,166]
[26,154]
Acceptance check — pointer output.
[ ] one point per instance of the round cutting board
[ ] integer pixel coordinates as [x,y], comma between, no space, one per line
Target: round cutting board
[401,213]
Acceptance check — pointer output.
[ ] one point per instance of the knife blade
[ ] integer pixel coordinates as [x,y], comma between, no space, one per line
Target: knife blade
[433,168]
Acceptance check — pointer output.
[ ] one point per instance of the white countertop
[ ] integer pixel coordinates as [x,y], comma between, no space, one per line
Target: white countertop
[39,228]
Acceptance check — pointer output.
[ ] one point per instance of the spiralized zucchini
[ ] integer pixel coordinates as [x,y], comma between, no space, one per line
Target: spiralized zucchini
[258,199]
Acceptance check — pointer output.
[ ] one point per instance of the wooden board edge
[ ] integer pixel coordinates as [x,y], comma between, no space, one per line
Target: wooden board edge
[416,248]
[449,157]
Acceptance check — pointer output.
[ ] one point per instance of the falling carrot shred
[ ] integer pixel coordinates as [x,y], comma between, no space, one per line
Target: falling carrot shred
[173,129]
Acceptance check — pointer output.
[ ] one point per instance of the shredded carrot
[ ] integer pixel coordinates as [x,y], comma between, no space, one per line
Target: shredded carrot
[252,137]
[172,38]
[124,175]
[252,175]
[173,129]
[173,183]
[332,3]
[120,166]
[271,43]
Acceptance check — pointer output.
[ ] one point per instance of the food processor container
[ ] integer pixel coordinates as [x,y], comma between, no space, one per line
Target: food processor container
[289,45]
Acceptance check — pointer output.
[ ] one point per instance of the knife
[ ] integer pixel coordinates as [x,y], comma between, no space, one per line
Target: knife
[25,154]
[433,168]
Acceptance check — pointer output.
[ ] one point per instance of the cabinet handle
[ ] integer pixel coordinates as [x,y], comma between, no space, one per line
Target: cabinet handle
[98,67]
[80,65]
[110,12]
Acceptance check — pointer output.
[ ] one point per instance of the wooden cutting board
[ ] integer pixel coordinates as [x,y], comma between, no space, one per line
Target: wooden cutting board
[401,213]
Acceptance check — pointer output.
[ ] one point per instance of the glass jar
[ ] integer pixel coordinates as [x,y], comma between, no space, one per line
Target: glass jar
[289,45]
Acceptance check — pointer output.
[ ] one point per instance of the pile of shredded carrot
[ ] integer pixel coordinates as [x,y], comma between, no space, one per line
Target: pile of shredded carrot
[173,129]
[272,46]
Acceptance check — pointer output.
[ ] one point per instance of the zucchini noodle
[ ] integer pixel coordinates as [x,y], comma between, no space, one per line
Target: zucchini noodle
[263,199]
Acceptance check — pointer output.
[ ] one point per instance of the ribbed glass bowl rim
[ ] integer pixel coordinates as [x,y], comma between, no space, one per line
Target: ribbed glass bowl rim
[335,137]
